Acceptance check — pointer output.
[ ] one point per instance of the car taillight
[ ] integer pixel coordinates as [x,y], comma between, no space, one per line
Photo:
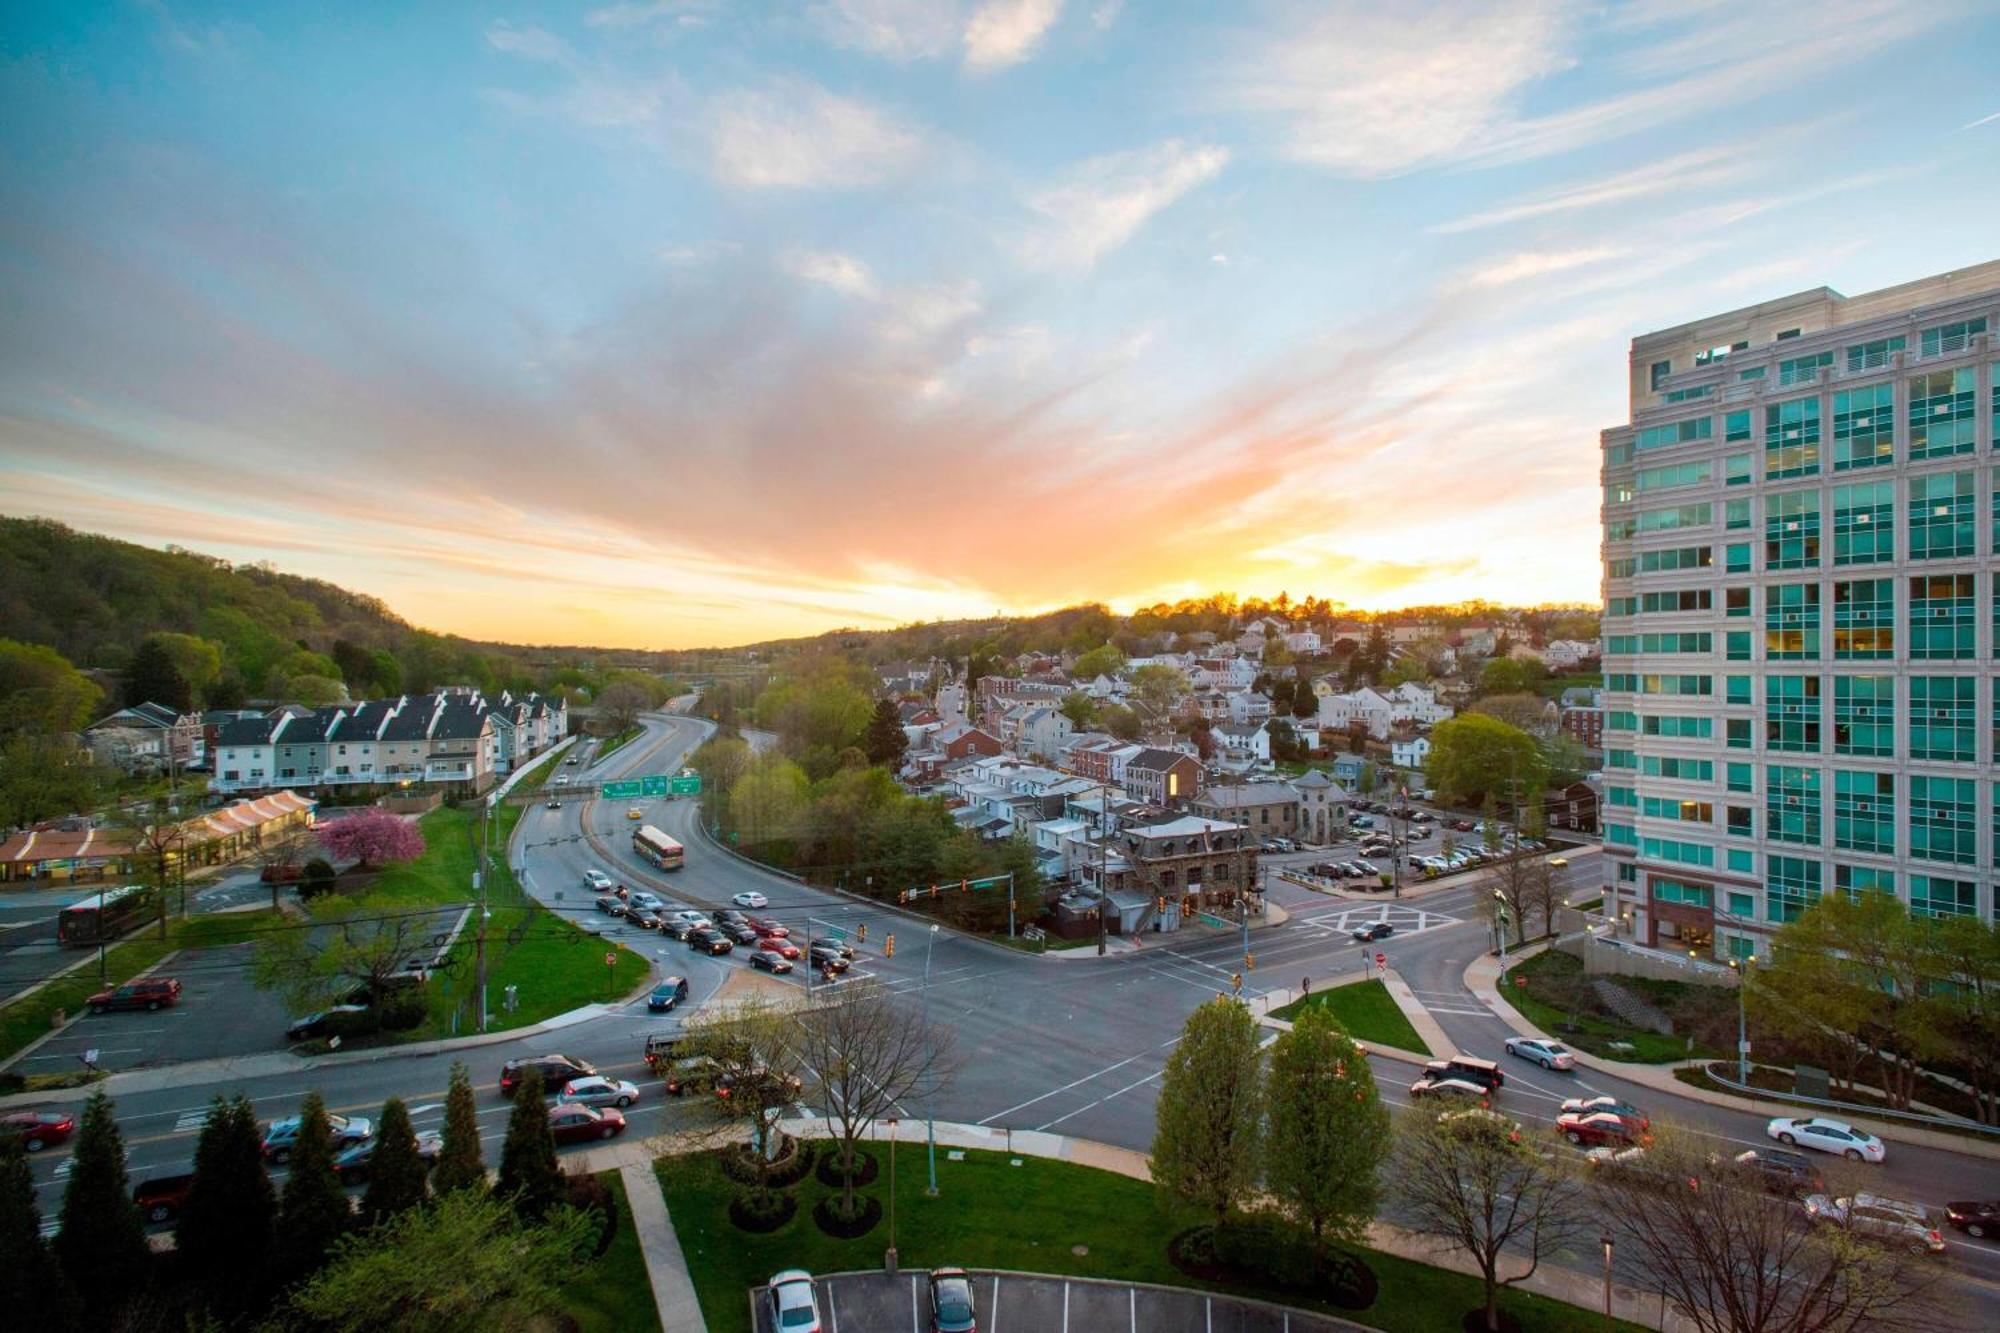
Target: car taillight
[1936,1239]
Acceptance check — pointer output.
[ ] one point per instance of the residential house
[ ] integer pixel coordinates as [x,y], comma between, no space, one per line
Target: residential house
[1586,724]
[1194,864]
[1305,642]
[1044,731]
[1410,753]
[1103,759]
[147,736]
[1245,742]
[1249,707]
[1163,777]
[1349,769]
[961,741]
[1569,654]
[1267,809]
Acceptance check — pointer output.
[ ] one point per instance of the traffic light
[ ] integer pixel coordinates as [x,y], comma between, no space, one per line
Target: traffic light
[1160,904]
[902,895]
[1236,983]
[889,945]
[1249,962]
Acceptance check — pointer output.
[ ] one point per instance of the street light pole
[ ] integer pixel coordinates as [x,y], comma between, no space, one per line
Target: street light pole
[930,1094]
[1103,868]
[1607,1281]
[890,1262]
[1500,926]
[1742,1018]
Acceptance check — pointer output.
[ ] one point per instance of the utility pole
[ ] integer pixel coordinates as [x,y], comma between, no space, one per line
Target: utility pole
[1103,867]
[479,884]
[930,1094]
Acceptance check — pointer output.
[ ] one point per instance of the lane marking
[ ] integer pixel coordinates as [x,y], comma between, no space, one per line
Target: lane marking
[1074,1082]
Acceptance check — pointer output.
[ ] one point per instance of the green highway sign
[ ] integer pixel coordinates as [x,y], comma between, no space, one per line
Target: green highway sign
[687,786]
[655,784]
[833,933]
[621,791]
[1208,920]
[651,784]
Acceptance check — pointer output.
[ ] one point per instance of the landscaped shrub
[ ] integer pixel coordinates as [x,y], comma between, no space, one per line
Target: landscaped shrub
[1267,1251]
[762,1210]
[831,1219]
[866,1168]
[590,1194]
[403,1009]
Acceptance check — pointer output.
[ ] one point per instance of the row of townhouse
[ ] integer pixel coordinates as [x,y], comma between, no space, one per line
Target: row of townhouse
[1379,710]
[455,737]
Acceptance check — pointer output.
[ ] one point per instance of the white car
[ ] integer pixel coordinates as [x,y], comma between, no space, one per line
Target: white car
[696,920]
[597,1090]
[1548,1054]
[1450,1087]
[597,881]
[1834,1136]
[650,901]
[1908,1224]
[751,898]
[794,1308]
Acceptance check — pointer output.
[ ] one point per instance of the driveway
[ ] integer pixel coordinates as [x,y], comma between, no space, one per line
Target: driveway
[1029,1303]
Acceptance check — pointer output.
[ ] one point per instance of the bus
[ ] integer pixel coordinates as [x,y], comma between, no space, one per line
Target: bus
[105,916]
[657,849]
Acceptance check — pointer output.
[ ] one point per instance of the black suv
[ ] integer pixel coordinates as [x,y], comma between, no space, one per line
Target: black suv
[1782,1173]
[709,940]
[1468,1067]
[556,1070]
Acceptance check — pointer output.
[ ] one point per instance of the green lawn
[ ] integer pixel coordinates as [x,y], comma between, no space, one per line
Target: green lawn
[991,1214]
[1366,1010]
[29,1017]
[1551,975]
[614,1295]
[618,742]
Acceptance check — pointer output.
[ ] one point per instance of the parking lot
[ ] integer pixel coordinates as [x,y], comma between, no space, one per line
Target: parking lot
[1021,1303]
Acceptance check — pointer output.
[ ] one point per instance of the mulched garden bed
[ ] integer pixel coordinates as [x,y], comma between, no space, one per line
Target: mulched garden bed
[795,1158]
[749,1213]
[1343,1279]
[865,1168]
[833,1224]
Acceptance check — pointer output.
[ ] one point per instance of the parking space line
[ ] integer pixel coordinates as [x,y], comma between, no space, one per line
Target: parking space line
[994,1314]
[1132,1300]
[1065,1307]
[913,1305]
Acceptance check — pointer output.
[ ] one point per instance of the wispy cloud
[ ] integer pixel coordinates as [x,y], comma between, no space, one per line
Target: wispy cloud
[640,13]
[842,273]
[1983,120]
[1100,204]
[1005,32]
[899,30]
[1539,264]
[793,134]
[1700,168]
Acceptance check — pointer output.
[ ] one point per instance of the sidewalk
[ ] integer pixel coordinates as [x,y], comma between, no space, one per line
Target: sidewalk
[1482,978]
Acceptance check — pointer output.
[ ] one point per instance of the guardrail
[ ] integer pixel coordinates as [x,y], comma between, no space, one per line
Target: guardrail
[1855,1108]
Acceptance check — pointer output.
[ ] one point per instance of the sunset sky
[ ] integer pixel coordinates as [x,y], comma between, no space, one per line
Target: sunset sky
[706,321]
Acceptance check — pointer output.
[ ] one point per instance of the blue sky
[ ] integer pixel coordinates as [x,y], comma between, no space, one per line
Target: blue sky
[702,322]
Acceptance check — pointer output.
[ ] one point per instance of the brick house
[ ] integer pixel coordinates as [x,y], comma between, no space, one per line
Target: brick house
[1266,809]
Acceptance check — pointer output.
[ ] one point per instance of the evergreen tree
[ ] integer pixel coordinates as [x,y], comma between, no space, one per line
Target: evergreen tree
[33,1290]
[223,1240]
[1326,1132]
[102,1245]
[153,677]
[460,1165]
[396,1181]
[884,740]
[313,1212]
[1205,1141]
[529,1177]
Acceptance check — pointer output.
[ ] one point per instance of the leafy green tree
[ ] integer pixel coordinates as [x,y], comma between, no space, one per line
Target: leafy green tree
[357,666]
[1079,708]
[102,1243]
[1473,755]
[1503,675]
[1121,721]
[43,776]
[41,693]
[467,1262]
[884,741]
[386,672]
[396,1177]
[198,660]
[1103,660]
[1326,1132]
[227,1227]
[313,1211]
[1305,703]
[154,677]
[1159,689]
[358,942]
[1207,1124]
[768,804]
[529,1177]
[314,691]
[460,1165]
[33,1290]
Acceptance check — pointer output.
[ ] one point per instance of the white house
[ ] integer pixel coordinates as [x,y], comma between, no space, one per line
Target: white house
[1411,702]
[1248,707]
[1303,641]
[1410,753]
[1337,712]
[1568,654]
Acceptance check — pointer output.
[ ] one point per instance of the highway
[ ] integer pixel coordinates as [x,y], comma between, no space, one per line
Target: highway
[1070,1044]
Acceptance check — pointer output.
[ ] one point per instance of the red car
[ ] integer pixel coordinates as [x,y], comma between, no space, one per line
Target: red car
[780,946]
[768,928]
[36,1130]
[151,993]
[1603,1129]
[574,1123]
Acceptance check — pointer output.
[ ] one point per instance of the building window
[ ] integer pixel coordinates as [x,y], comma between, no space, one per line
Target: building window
[1942,722]
[1864,523]
[1942,413]
[1689,895]
[1944,616]
[1741,821]
[1803,369]
[1864,619]
[1672,849]
[1737,733]
[1864,715]
[1792,713]
[1947,338]
[1736,690]
[1736,558]
[1931,895]
[1791,439]
[1864,427]
[1736,645]
[1943,820]
[1736,601]
[1679,432]
[1791,884]
[1792,804]
[1672,475]
[1872,355]
[1943,522]
[1864,811]
[1660,371]
[1735,514]
[1736,470]
[1791,622]
[1741,777]
[1736,429]
[1791,530]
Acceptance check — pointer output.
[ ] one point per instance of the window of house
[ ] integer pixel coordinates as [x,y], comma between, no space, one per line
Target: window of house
[1792,713]
[1792,804]
[1943,820]
[1864,619]
[1944,615]
[1942,721]
[1864,811]
[1864,427]
[1791,622]
[1791,438]
[1864,523]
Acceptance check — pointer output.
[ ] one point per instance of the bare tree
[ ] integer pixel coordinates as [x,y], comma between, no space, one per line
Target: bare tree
[351,943]
[751,1051]
[1475,1186]
[620,705]
[1731,1259]
[159,845]
[863,1055]
[1528,887]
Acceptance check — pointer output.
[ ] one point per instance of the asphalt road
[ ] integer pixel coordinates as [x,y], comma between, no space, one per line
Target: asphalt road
[1069,1044]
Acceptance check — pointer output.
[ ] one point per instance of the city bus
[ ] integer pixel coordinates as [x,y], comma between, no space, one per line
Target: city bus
[657,849]
[105,916]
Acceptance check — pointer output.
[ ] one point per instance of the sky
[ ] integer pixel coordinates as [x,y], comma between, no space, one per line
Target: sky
[669,323]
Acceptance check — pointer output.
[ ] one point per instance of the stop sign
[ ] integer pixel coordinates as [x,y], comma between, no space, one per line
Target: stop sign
[1381,960]
[611,960]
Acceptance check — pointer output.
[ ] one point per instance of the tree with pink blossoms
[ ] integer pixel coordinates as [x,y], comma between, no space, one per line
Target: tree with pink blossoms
[372,839]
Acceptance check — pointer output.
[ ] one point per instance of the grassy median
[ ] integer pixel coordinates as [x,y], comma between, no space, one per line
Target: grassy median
[614,1294]
[1366,1010]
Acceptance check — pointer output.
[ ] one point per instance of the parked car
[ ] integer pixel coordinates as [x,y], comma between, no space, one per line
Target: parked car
[597,1090]
[768,962]
[36,1130]
[1975,1219]
[1599,1129]
[1777,1171]
[555,1070]
[324,1023]
[710,941]
[1462,826]
[750,898]
[670,992]
[782,948]
[597,881]
[148,993]
[691,1073]
[1548,1054]
[160,1198]
[1443,1085]
[765,926]
[610,904]
[280,1135]
[1483,1072]
[1586,1105]
[794,1308]
[1825,1135]
[575,1124]
[1890,1220]
[351,1164]
[773,1084]
[1374,930]
[952,1306]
